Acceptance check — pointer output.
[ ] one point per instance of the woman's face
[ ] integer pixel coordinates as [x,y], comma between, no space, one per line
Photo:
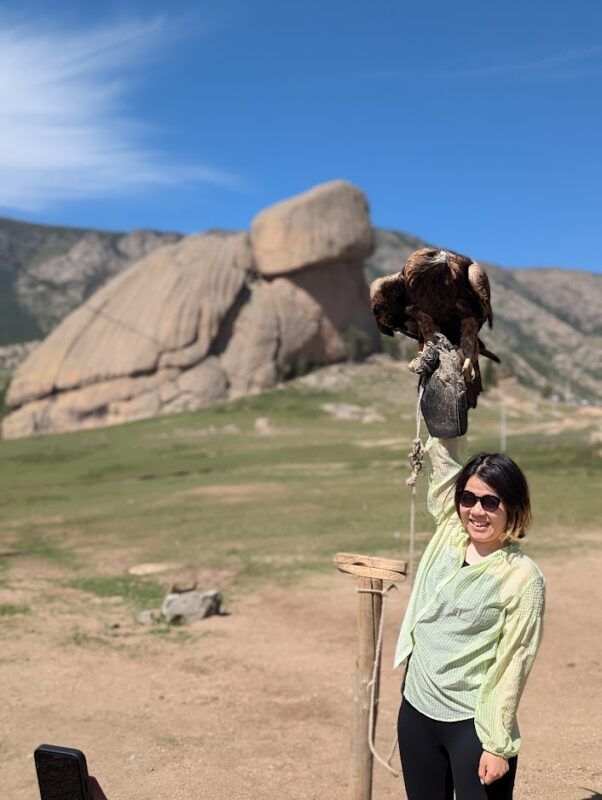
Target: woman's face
[483,527]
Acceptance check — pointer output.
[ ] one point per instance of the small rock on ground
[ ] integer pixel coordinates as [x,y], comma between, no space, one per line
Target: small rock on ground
[187,607]
[147,617]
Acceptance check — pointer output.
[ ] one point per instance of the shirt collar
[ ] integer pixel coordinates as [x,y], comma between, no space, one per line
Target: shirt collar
[501,552]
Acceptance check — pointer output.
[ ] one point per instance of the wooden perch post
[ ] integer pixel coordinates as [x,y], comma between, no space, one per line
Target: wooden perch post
[371,573]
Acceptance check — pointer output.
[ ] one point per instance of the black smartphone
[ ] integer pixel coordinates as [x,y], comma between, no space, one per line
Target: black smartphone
[62,773]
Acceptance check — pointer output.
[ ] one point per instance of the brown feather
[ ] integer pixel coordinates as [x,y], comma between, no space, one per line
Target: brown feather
[438,291]
[479,283]
[483,351]
[474,388]
[388,301]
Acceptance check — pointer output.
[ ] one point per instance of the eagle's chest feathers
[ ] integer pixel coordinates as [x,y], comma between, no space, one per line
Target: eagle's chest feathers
[439,291]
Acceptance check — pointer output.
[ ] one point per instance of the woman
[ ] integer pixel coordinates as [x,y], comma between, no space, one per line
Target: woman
[470,632]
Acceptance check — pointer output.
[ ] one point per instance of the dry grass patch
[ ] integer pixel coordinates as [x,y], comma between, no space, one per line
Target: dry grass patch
[240,493]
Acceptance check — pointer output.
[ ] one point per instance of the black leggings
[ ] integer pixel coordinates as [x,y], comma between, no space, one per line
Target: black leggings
[438,757]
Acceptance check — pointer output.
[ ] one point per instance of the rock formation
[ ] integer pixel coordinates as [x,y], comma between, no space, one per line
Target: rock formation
[330,223]
[47,272]
[212,316]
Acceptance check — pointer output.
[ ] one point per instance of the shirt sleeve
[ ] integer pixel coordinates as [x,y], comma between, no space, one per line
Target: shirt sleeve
[500,693]
[446,458]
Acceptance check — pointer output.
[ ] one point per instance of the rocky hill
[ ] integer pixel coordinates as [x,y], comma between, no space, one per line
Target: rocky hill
[46,272]
[547,330]
[547,322]
[209,317]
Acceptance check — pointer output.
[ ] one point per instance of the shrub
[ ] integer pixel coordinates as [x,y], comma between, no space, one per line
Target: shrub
[489,376]
[358,343]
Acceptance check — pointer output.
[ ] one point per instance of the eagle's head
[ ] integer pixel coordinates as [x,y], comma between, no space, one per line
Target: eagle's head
[433,269]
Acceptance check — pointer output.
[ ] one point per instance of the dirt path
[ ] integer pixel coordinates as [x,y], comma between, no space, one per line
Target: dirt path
[257,704]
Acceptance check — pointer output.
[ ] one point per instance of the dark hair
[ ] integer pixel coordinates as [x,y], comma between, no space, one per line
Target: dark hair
[507,479]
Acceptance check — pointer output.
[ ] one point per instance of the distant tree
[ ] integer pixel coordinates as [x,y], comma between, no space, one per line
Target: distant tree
[546,390]
[4,381]
[401,348]
[489,376]
[390,346]
[408,348]
[296,368]
[358,343]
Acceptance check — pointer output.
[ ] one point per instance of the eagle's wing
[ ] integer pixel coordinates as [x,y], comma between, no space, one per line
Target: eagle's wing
[479,283]
[388,301]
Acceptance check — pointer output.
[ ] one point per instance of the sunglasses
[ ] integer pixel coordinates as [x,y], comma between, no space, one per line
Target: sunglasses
[489,502]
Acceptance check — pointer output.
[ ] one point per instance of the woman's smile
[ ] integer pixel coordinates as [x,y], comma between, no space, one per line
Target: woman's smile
[484,527]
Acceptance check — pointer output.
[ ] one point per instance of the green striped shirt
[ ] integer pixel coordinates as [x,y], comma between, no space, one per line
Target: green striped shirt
[472,631]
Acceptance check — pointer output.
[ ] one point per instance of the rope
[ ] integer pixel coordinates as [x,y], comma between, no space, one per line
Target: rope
[374,680]
[416,458]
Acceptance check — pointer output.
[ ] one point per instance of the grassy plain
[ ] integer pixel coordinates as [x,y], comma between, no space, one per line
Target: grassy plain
[213,494]
[258,703]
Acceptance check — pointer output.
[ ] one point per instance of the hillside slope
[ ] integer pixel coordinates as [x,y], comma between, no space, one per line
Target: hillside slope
[46,272]
[210,317]
[547,325]
[547,330]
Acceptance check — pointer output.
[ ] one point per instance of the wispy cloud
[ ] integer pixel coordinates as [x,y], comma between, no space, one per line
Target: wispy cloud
[568,64]
[65,131]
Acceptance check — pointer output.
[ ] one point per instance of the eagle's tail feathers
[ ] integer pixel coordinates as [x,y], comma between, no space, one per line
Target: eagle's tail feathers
[483,351]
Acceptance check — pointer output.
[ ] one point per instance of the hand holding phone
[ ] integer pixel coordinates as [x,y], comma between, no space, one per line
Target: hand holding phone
[62,774]
[94,790]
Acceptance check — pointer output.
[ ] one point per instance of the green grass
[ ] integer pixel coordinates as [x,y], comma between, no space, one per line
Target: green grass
[10,609]
[173,632]
[142,593]
[42,544]
[81,639]
[281,505]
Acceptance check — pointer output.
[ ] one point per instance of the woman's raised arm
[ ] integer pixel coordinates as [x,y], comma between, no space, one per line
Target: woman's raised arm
[446,460]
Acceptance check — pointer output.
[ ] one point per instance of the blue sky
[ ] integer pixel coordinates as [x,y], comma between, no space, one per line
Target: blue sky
[476,125]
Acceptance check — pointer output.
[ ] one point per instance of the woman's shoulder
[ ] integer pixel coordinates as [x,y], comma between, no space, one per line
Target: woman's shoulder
[523,586]
[523,569]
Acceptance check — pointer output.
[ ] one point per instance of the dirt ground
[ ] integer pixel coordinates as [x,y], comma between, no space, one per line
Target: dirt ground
[257,704]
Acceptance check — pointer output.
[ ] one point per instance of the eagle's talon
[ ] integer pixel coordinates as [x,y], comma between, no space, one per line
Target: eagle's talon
[468,371]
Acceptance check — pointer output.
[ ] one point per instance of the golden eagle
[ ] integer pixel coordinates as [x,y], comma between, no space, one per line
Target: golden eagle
[438,291]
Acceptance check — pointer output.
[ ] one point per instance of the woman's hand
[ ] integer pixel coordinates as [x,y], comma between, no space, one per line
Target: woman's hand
[94,790]
[492,767]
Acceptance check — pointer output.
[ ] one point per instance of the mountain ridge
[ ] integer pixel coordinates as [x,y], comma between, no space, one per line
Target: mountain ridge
[547,326]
